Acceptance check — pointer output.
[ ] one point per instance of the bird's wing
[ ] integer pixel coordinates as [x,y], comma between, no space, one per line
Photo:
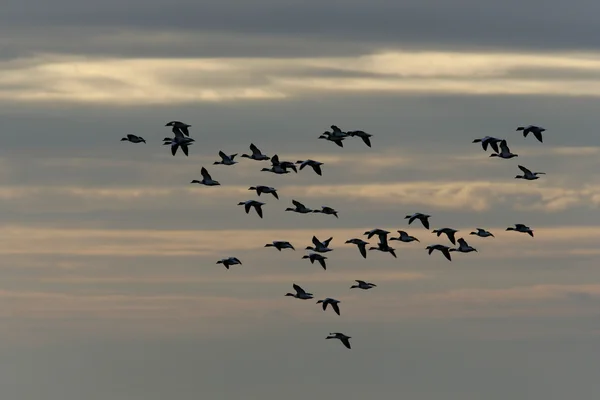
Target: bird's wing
[446,253]
[254,149]
[326,242]
[336,308]
[247,207]
[538,136]
[274,193]
[346,342]
[360,282]
[525,170]
[316,241]
[223,155]
[366,140]
[363,250]
[339,142]
[174,147]
[205,174]
[335,129]
[322,262]
[258,209]
[451,237]
[462,242]
[131,137]
[504,147]
[297,204]
[185,130]
[518,226]
[317,169]
[177,132]
[298,289]
[425,222]
[275,160]
[185,149]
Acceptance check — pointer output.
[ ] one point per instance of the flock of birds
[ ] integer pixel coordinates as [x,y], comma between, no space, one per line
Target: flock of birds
[182,139]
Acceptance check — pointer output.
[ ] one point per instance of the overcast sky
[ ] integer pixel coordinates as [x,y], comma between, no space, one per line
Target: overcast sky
[110,288]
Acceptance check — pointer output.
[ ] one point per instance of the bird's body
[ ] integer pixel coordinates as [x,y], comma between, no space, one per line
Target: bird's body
[133,139]
[206,179]
[280,245]
[252,203]
[536,130]
[330,302]
[521,228]
[300,293]
[528,175]
[445,250]
[316,257]
[361,244]
[343,338]
[504,152]
[424,218]
[227,262]
[265,189]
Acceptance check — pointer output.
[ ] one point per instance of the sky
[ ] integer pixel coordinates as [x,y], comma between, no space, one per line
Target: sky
[109,284]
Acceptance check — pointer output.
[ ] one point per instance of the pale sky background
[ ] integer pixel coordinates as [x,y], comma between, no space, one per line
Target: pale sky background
[109,287]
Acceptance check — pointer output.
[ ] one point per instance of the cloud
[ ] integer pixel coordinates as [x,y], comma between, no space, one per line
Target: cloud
[127,81]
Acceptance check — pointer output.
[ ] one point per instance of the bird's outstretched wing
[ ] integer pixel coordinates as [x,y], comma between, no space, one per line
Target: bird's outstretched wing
[525,170]
[205,174]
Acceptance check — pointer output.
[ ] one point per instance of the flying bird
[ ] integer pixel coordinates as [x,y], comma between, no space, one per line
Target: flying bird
[343,338]
[463,247]
[504,152]
[179,127]
[536,130]
[178,141]
[320,247]
[361,244]
[424,218]
[448,232]
[225,159]
[528,175]
[489,141]
[133,139]
[521,228]
[227,262]
[316,165]
[327,210]
[252,203]
[445,250]
[256,154]
[316,257]
[265,189]
[363,285]
[300,208]
[405,237]
[361,134]
[482,233]
[384,247]
[275,162]
[206,179]
[300,293]
[280,245]
[332,302]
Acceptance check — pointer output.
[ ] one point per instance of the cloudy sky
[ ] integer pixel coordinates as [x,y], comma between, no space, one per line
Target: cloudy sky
[110,289]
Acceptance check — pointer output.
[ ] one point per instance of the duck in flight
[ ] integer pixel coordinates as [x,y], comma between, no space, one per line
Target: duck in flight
[384,247]
[300,293]
[463,247]
[445,250]
[521,228]
[227,262]
[489,141]
[343,338]
[280,245]
[206,179]
[256,154]
[482,233]
[528,175]
[424,218]
[179,127]
[252,203]
[265,189]
[315,165]
[316,257]
[276,169]
[361,244]
[330,302]
[332,137]
[363,285]
[300,208]
[536,130]
[448,232]
[225,159]
[327,210]
[320,247]
[405,237]
[133,139]
[504,152]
